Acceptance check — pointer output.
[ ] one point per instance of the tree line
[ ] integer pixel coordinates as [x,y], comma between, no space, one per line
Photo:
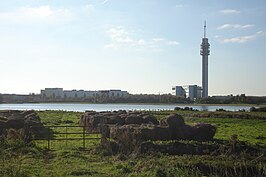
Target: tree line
[136,98]
[238,99]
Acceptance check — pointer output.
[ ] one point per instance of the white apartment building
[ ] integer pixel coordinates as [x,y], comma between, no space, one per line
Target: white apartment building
[193,91]
[52,93]
[60,93]
[178,91]
[117,93]
[189,91]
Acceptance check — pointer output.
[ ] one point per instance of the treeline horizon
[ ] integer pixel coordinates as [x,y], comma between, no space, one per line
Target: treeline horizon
[136,98]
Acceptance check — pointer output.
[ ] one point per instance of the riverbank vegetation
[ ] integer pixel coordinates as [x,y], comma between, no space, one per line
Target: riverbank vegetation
[34,159]
[135,98]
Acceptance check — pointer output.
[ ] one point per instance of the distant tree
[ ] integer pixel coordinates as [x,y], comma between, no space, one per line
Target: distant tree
[1,98]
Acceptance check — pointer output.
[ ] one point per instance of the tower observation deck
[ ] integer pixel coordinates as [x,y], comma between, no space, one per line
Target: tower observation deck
[205,52]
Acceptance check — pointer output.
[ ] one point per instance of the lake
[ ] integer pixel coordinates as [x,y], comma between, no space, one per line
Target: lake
[112,107]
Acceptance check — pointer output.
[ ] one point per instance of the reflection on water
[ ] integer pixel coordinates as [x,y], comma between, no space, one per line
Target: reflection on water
[112,107]
[204,108]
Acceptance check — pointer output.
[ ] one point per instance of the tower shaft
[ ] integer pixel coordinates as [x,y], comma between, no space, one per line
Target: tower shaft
[204,76]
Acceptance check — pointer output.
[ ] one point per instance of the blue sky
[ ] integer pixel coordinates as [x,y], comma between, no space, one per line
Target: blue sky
[142,46]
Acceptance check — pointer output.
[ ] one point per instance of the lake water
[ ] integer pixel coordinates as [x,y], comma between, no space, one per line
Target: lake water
[111,107]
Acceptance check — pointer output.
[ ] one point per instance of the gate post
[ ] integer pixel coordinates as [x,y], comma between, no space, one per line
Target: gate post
[83,137]
[48,139]
[66,135]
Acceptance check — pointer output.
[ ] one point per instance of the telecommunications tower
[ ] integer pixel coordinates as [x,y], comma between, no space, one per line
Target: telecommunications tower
[205,52]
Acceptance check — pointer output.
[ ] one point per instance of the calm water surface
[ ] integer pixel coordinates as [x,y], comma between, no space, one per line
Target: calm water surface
[110,107]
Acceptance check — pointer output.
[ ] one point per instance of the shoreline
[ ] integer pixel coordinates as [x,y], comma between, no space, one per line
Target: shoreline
[172,104]
[81,107]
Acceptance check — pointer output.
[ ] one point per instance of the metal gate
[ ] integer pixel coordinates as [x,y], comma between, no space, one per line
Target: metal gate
[65,134]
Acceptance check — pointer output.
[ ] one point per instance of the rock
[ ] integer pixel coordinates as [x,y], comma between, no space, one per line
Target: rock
[260,109]
[122,126]
[179,148]
[173,121]
[91,118]
[177,109]
[203,132]
[134,119]
[15,123]
[29,121]
[115,119]
[186,132]
[150,119]
[162,133]
[125,133]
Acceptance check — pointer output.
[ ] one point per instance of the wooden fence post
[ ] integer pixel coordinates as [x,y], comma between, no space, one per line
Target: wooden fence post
[83,137]
[66,135]
[49,140]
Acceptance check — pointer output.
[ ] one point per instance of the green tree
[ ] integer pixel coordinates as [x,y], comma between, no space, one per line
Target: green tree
[1,98]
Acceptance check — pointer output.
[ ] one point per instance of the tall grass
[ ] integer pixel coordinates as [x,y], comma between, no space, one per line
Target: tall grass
[20,159]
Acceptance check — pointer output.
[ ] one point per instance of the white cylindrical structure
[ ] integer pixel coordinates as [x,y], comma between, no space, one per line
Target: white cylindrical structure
[205,52]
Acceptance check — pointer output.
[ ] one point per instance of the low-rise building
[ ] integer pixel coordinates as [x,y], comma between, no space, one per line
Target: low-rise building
[178,91]
[193,91]
[188,91]
[52,93]
[66,94]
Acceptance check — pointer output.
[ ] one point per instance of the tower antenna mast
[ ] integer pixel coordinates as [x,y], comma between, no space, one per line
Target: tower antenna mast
[205,29]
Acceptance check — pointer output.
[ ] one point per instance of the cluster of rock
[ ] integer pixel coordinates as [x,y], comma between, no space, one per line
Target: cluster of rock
[93,120]
[259,109]
[228,114]
[142,126]
[180,148]
[185,109]
[15,119]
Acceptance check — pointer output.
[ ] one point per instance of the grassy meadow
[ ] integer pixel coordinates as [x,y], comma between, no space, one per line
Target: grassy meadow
[70,159]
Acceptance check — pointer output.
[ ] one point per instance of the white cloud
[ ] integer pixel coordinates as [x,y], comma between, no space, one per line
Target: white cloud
[89,7]
[230,11]
[235,26]
[141,42]
[35,14]
[158,39]
[173,43]
[110,46]
[165,41]
[105,1]
[121,37]
[243,39]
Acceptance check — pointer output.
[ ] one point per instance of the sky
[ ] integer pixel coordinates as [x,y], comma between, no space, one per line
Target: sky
[141,46]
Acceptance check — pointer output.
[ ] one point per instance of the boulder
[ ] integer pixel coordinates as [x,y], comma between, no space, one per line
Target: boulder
[29,121]
[173,121]
[184,132]
[121,117]
[15,123]
[203,132]
[150,119]
[134,119]
[122,125]
[162,133]
[115,119]
[125,132]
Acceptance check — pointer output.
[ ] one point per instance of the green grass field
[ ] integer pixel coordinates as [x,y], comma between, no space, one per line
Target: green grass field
[69,159]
